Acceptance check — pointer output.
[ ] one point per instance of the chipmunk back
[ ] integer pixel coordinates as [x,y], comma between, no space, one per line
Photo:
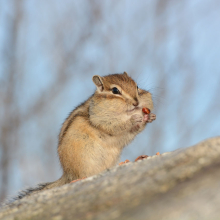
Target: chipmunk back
[94,134]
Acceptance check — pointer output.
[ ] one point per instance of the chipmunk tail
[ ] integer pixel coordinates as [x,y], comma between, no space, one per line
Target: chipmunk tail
[40,187]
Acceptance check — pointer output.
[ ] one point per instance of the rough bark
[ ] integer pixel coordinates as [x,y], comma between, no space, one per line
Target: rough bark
[183,184]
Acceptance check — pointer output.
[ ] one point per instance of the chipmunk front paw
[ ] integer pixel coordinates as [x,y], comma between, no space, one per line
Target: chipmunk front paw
[148,118]
[136,121]
[151,117]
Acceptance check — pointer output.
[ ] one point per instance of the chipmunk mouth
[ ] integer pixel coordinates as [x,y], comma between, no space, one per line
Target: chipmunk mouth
[133,109]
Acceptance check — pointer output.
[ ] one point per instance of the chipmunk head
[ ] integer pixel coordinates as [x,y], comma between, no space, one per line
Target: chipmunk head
[117,86]
[120,87]
[117,95]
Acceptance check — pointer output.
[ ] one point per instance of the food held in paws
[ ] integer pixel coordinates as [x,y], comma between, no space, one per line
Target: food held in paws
[146,110]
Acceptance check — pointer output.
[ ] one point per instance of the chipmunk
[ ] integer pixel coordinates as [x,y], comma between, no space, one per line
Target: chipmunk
[94,134]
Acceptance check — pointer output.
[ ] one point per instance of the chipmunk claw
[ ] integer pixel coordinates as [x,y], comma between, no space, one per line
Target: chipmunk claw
[126,161]
[141,157]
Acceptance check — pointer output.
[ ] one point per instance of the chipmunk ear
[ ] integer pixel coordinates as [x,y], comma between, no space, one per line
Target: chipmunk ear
[125,73]
[98,82]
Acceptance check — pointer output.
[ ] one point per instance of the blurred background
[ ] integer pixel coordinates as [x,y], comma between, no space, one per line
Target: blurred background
[49,51]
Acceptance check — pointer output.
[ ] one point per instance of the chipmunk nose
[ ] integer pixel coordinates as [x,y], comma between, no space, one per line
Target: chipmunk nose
[136,103]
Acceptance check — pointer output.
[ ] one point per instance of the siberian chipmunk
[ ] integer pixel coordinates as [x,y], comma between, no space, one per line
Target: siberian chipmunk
[93,136]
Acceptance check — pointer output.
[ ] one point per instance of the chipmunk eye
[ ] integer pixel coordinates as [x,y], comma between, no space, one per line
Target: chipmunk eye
[115,91]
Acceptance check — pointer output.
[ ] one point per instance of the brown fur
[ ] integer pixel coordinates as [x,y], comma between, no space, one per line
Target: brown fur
[95,133]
